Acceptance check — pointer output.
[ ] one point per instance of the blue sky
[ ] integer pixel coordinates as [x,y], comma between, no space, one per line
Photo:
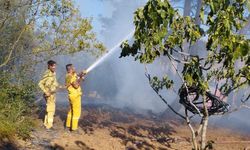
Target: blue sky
[94,9]
[112,20]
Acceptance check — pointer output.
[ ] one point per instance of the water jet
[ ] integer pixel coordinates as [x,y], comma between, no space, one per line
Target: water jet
[108,54]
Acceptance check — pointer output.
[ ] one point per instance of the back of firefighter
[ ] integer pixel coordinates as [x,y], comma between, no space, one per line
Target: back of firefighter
[75,93]
[48,85]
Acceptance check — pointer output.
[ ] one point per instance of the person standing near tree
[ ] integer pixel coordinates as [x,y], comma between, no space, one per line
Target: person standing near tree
[48,84]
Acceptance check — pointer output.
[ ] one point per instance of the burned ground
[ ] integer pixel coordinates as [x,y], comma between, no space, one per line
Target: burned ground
[104,127]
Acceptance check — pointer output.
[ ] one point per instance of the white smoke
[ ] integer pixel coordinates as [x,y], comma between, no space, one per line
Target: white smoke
[133,89]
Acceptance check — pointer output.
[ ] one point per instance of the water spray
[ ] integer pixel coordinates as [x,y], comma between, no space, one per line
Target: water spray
[111,51]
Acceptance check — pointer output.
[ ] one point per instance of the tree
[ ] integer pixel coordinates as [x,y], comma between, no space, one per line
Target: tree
[40,29]
[160,31]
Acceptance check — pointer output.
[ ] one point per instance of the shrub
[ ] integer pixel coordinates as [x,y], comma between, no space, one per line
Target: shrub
[16,105]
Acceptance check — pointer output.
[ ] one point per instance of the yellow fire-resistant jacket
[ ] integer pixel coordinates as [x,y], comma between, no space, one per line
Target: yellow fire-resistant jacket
[72,91]
[48,83]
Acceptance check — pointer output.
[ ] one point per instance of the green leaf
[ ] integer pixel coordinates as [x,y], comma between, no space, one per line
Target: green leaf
[202,14]
[244,49]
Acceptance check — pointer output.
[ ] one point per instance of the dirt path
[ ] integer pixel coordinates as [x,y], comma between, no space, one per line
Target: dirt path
[106,128]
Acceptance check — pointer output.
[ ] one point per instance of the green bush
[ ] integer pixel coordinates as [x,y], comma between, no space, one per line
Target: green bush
[16,103]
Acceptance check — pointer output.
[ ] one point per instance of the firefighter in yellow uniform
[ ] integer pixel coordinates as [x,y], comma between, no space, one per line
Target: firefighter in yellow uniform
[75,92]
[48,85]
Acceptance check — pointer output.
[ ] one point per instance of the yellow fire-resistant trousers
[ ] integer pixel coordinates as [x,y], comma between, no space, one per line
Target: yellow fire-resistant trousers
[74,112]
[50,111]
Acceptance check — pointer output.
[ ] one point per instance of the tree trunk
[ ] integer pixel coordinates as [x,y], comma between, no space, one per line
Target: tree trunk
[204,133]
[186,12]
[187,8]
[197,14]
[194,140]
[204,126]
[197,133]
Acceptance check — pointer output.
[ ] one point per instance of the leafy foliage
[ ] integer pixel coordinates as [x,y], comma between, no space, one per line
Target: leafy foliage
[16,103]
[161,31]
[159,28]
[193,75]
[160,84]
[41,29]
[72,32]
[225,46]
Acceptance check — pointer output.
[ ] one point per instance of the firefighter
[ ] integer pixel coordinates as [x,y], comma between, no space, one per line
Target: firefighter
[48,85]
[74,90]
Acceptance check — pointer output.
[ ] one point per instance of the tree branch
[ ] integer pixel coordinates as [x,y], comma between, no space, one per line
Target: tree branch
[183,53]
[177,60]
[192,130]
[185,87]
[169,106]
[12,48]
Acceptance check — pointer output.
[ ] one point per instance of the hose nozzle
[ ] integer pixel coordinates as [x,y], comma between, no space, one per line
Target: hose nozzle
[84,72]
